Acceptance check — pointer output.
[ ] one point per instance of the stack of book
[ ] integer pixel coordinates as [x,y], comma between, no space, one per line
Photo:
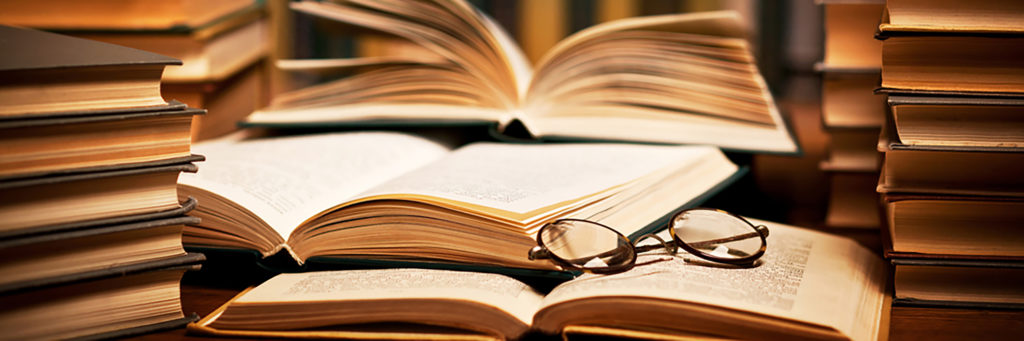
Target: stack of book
[954,153]
[90,222]
[851,115]
[221,43]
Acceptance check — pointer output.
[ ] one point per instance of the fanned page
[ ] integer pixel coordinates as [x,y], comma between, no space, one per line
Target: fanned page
[808,283]
[675,79]
[476,74]
[681,78]
[282,181]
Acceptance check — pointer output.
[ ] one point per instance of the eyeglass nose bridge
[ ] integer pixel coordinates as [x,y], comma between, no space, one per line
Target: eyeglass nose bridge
[671,247]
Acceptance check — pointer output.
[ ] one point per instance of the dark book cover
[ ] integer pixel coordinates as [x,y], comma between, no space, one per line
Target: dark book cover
[28,49]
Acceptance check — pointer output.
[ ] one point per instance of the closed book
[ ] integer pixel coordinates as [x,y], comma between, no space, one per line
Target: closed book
[30,203]
[208,54]
[983,121]
[39,145]
[45,72]
[946,61]
[954,323]
[954,226]
[44,258]
[949,282]
[963,170]
[117,301]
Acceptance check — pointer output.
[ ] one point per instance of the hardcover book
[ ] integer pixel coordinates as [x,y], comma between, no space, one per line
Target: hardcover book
[102,139]
[107,193]
[45,72]
[118,301]
[964,283]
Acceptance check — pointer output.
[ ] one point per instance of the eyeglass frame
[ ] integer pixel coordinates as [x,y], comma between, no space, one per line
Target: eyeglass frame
[542,252]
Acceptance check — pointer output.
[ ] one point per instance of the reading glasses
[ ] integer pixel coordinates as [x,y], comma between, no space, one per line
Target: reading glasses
[710,234]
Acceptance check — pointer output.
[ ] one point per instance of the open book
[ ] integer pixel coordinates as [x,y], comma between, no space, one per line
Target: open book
[392,196]
[808,285]
[676,79]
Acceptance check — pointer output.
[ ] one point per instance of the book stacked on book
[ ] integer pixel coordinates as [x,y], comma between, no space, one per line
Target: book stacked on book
[221,44]
[90,222]
[851,115]
[954,153]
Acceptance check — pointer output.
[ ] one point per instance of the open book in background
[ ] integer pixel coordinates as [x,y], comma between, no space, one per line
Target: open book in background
[402,198]
[677,79]
[808,285]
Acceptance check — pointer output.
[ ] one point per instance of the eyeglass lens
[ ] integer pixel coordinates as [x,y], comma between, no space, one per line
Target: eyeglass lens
[586,245]
[717,234]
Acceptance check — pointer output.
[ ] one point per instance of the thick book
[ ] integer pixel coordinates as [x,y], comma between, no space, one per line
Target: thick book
[959,170]
[46,72]
[947,61]
[394,197]
[965,283]
[811,285]
[38,145]
[954,323]
[952,16]
[41,202]
[209,53]
[35,259]
[979,121]
[117,301]
[954,226]
[673,79]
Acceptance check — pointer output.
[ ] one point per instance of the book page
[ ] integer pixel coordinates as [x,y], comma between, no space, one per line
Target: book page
[286,180]
[528,178]
[499,291]
[804,275]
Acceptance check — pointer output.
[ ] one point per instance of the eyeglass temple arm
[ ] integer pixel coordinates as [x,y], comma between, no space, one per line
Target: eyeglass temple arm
[761,231]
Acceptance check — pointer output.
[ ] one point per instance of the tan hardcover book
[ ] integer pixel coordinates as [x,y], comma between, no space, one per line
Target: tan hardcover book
[75,141]
[94,194]
[44,73]
[113,302]
[958,121]
[961,170]
[962,226]
[992,16]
